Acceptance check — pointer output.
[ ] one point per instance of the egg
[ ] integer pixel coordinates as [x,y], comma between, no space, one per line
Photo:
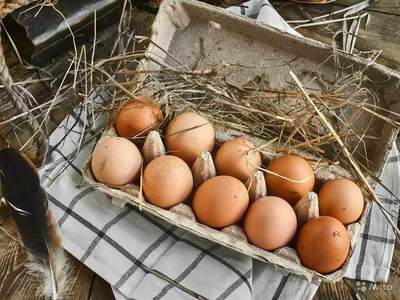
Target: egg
[323,244]
[188,135]
[270,223]
[167,181]
[137,116]
[237,158]
[292,167]
[116,161]
[342,199]
[220,201]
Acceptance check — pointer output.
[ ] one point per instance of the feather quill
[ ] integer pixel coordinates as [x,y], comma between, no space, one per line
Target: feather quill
[28,203]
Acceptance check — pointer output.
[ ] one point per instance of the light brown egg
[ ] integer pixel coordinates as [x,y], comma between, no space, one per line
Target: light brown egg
[167,181]
[237,158]
[137,116]
[116,161]
[295,168]
[220,201]
[188,135]
[323,244]
[342,199]
[270,223]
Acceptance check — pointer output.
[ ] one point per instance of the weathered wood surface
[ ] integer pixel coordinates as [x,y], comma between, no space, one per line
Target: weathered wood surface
[391,7]
[383,33]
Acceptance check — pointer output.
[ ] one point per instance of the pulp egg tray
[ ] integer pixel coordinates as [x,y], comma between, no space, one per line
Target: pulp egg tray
[233,236]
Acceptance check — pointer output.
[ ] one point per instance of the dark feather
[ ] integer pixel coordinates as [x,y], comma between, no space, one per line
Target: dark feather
[28,203]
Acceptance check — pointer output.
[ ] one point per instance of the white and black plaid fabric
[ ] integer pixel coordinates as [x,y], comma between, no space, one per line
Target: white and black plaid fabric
[374,251]
[140,255]
[262,11]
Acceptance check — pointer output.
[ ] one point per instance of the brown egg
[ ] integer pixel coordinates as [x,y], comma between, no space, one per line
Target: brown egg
[270,223]
[167,181]
[323,244]
[236,158]
[188,135]
[137,116]
[116,161]
[220,201]
[295,168]
[342,199]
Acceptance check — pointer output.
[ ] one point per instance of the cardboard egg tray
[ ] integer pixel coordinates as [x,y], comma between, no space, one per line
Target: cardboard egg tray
[232,236]
[185,29]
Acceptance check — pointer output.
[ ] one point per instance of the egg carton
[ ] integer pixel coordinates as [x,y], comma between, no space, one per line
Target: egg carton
[234,236]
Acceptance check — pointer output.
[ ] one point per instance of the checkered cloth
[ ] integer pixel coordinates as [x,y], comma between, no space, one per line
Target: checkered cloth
[262,11]
[140,255]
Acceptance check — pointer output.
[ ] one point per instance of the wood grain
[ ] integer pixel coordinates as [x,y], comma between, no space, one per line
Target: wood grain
[383,32]
[16,282]
[386,6]
[101,290]
[81,281]
[338,290]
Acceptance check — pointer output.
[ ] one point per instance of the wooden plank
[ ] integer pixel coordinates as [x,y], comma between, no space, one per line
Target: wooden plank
[337,290]
[4,213]
[101,290]
[383,32]
[386,6]
[17,283]
[80,281]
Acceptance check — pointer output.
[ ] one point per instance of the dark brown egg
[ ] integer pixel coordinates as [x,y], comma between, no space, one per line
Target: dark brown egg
[137,117]
[323,244]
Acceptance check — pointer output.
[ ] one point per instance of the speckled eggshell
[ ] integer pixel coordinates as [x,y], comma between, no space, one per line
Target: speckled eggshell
[188,135]
[116,161]
[323,244]
[270,223]
[220,201]
[236,158]
[137,116]
[295,168]
[167,181]
[342,199]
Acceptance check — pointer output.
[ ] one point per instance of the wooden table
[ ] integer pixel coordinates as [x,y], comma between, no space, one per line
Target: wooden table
[382,34]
